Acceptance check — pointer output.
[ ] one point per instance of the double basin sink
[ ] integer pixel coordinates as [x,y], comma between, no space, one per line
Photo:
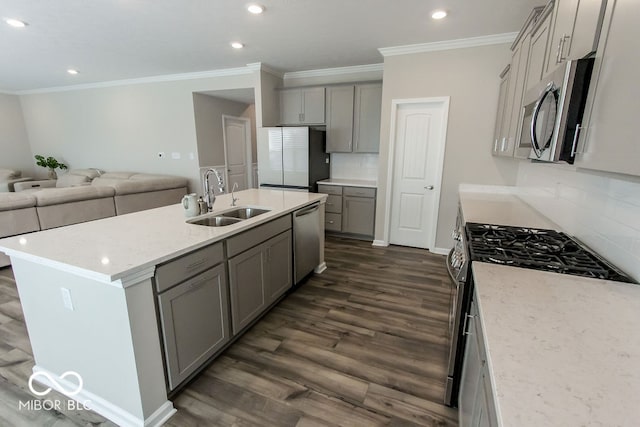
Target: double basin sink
[230,217]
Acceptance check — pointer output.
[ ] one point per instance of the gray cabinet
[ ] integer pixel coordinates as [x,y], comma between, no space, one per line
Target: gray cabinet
[609,140]
[258,277]
[500,130]
[358,210]
[366,118]
[339,119]
[302,106]
[353,118]
[576,29]
[538,54]
[476,406]
[194,318]
[349,209]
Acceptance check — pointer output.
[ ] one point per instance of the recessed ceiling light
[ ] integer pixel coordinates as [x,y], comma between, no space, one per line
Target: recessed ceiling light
[16,23]
[237,45]
[256,9]
[72,71]
[438,14]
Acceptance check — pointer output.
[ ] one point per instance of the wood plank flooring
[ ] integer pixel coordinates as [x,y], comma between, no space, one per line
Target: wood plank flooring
[363,344]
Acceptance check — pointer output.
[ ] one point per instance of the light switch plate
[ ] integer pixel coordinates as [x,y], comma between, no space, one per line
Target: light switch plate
[66,299]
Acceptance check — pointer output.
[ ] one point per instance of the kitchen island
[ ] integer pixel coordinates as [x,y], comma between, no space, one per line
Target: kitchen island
[89,300]
[559,350]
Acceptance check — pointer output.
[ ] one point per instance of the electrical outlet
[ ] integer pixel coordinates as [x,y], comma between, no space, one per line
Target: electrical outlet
[161,155]
[175,155]
[66,299]
[192,156]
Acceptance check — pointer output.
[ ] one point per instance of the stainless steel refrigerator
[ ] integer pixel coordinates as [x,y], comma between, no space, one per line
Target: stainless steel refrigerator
[292,158]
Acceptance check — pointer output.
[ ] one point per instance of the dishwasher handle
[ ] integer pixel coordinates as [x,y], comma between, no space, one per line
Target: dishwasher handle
[307,210]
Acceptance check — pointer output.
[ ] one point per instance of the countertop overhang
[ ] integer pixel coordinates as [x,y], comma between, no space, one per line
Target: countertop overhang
[125,249]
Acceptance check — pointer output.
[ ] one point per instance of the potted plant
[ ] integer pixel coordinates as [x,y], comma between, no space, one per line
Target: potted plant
[51,163]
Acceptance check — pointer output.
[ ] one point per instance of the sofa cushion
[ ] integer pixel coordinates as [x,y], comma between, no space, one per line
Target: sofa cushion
[10,201]
[118,175]
[70,180]
[55,196]
[90,173]
[7,174]
[140,183]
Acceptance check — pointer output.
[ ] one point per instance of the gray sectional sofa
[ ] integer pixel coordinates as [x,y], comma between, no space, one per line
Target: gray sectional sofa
[83,195]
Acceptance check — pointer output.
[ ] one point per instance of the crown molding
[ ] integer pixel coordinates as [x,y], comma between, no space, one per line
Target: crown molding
[448,44]
[143,80]
[259,66]
[334,71]
[7,92]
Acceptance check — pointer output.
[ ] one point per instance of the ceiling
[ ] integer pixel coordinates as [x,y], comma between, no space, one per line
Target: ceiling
[109,40]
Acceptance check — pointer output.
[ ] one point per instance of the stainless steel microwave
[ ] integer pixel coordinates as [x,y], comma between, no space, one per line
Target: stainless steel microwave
[553,110]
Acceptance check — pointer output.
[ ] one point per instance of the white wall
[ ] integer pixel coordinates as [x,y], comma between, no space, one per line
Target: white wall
[470,77]
[600,209]
[14,144]
[123,127]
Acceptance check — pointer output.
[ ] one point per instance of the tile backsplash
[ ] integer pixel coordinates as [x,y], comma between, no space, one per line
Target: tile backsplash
[602,210]
[354,166]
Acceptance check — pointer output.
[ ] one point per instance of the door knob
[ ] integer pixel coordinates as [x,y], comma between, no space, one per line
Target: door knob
[429,187]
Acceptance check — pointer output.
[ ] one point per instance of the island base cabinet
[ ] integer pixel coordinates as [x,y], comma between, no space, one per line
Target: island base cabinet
[194,317]
[257,278]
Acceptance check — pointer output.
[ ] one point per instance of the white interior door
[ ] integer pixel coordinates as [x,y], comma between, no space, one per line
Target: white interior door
[420,132]
[237,151]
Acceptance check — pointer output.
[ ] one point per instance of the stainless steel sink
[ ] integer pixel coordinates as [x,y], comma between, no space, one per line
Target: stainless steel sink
[244,213]
[215,221]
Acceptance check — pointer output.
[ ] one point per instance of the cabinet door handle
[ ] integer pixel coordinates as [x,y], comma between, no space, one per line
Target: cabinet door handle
[197,284]
[330,222]
[502,147]
[495,145]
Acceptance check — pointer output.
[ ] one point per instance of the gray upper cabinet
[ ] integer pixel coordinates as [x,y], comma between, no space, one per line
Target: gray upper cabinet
[339,119]
[610,142]
[502,122]
[576,29]
[538,54]
[353,118]
[302,106]
[366,118]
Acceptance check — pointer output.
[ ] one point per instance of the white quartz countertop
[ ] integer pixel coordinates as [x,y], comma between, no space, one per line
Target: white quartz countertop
[563,350]
[349,182]
[114,248]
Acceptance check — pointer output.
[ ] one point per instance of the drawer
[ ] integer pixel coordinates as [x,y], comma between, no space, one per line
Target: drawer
[257,235]
[360,192]
[332,222]
[334,204]
[180,269]
[330,189]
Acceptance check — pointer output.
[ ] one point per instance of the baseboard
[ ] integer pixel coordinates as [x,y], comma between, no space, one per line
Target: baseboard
[440,251]
[321,268]
[380,243]
[102,406]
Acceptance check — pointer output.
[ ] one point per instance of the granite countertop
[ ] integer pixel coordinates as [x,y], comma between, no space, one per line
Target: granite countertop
[562,350]
[349,182]
[111,249]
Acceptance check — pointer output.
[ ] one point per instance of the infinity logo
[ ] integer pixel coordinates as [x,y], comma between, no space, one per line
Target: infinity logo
[50,380]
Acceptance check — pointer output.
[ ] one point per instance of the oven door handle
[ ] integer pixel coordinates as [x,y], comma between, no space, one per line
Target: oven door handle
[464,327]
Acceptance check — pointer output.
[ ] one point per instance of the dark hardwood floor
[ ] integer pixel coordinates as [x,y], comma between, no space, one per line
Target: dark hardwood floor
[363,344]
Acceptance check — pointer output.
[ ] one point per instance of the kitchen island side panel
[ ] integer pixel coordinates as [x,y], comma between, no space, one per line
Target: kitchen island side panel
[109,337]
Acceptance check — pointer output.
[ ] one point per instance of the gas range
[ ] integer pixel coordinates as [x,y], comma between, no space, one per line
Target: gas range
[546,250]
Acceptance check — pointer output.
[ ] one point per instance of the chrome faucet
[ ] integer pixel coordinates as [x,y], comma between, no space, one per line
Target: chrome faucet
[209,194]
[234,199]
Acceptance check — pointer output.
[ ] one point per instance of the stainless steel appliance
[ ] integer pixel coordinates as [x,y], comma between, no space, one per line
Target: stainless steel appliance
[553,110]
[306,241]
[545,250]
[292,158]
[458,267]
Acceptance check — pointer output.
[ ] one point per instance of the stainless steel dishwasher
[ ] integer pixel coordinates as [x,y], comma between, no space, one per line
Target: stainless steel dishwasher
[306,241]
